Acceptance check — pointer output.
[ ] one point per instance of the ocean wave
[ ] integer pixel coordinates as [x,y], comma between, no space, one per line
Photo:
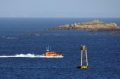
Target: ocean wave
[29,56]
[4,37]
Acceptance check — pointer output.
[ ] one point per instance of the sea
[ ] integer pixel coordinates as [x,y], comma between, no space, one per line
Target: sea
[20,54]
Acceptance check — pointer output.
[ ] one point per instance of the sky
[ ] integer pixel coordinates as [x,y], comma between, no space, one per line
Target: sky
[60,8]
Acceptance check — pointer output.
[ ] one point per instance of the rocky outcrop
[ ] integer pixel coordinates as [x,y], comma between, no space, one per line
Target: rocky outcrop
[95,25]
[31,34]
[36,34]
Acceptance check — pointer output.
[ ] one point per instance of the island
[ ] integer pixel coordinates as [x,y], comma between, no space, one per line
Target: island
[94,25]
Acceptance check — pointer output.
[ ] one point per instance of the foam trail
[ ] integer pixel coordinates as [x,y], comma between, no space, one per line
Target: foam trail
[29,56]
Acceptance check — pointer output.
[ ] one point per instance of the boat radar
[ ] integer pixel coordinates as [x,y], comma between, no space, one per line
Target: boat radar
[84,58]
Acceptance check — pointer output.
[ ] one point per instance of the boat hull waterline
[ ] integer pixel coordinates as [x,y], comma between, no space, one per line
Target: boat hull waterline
[29,56]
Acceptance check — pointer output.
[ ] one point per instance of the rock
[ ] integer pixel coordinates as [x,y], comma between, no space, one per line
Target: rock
[94,25]
[36,34]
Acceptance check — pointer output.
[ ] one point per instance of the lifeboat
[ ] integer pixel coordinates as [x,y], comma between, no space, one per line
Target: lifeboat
[52,53]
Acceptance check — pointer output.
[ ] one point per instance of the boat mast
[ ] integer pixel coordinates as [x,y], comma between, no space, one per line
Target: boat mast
[47,48]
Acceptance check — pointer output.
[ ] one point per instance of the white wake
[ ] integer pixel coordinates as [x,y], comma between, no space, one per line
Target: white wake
[29,56]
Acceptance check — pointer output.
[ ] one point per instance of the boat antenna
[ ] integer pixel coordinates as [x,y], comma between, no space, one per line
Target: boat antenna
[50,48]
[47,48]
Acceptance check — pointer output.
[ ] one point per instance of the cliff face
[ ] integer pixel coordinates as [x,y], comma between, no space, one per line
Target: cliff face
[93,25]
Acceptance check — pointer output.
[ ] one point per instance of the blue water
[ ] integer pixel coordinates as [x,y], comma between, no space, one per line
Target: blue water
[103,50]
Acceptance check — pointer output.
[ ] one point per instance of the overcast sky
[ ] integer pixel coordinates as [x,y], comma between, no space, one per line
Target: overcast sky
[60,8]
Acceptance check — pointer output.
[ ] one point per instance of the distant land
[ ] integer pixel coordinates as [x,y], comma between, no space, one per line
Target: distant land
[94,25]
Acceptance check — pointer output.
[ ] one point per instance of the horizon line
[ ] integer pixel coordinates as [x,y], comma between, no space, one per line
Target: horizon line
[59,17]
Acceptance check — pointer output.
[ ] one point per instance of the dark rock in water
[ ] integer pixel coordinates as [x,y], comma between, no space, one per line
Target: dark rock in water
[36,34]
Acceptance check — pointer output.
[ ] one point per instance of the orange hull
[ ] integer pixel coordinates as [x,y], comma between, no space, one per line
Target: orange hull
[52,54]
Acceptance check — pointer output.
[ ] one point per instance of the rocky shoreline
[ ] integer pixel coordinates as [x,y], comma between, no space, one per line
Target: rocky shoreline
[95,25]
